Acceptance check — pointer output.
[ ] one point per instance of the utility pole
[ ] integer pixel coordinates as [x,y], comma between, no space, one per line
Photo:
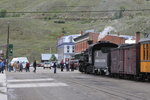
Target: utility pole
[7,56]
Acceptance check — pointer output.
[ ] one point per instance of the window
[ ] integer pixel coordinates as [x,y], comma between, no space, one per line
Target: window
[146,53]
[68,47]
[67,51]
[72,47]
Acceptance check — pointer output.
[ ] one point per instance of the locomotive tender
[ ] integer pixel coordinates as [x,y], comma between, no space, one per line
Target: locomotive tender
[131,61]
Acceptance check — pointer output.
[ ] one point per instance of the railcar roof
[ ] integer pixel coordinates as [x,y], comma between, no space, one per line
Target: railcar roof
[145,40]
[103,44]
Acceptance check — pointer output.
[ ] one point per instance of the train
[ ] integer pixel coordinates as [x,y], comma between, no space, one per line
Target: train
[130,61]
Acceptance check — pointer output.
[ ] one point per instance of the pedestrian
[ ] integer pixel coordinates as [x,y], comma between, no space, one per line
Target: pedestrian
[20,67]
[27,67]
[55,67]
[62,65]
[9,66]
[14,66]
[72,66]
[2,66]
[67,65]
[34,65]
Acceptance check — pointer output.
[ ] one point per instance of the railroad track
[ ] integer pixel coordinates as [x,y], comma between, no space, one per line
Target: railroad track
[110,91]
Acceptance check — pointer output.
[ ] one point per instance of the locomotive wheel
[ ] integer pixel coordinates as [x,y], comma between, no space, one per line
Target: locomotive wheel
[96,72]
[102,72]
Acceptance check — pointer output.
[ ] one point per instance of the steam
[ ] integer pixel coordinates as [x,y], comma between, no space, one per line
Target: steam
[105,32]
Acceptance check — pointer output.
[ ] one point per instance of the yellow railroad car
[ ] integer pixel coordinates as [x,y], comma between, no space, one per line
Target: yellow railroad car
[145,56]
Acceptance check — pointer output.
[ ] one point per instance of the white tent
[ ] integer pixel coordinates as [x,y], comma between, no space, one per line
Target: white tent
[24,60]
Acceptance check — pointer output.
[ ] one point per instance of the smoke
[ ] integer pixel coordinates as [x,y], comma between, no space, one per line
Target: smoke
[106,31]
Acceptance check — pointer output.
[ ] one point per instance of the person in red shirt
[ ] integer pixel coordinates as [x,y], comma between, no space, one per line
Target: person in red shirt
[27,67]
[62,65]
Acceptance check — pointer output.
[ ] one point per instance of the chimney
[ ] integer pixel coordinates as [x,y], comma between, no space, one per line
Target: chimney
[137,37]
[118,33]
[81,32]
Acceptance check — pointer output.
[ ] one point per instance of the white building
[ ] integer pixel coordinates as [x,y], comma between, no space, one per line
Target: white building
[47,57]
[65,47]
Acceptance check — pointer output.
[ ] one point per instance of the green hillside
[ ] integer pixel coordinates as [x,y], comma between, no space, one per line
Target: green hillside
[35,33]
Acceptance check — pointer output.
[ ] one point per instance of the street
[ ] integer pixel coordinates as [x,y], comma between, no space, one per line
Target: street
[45,85]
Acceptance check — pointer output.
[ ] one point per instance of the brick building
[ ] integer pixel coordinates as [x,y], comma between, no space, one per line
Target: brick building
[114,39]
[119,39]
[81,42]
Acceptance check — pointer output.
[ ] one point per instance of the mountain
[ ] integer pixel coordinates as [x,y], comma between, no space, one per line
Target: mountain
[35,33]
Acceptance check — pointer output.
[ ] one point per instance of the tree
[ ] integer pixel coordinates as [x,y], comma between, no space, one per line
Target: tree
[119,14]
[53,58]
[63,30]
[3,13]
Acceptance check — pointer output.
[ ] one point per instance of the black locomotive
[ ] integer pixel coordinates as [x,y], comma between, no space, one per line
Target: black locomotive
[96,59]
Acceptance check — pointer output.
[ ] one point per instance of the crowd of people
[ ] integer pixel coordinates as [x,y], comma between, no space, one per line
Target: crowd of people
[68,65]
[19,66]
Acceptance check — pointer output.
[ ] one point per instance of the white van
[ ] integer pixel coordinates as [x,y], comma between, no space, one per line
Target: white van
[24,60]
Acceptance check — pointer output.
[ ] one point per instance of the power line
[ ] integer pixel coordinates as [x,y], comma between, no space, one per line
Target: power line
[83,11]
[74,6]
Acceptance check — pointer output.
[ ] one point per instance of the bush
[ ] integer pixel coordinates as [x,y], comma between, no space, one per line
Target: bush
[3,13]
[119,14]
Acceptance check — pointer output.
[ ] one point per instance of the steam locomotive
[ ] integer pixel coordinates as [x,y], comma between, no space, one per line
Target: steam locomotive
[96,58]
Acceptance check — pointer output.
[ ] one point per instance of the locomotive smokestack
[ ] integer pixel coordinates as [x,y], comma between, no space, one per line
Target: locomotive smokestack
[137,37]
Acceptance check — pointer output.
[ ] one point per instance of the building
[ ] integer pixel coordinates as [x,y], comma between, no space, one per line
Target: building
[66,47]
[81,42]
[118,39]
[47,57]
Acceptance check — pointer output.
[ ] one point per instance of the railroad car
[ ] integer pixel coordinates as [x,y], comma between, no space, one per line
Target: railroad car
[125,61]
[131,61]
[145,57]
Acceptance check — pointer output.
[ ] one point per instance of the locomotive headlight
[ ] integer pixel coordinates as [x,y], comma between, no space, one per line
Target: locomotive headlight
[105,70]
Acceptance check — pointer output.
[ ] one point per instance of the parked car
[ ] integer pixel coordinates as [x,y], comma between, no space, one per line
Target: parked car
[75,62]
[41,64]
[47,65]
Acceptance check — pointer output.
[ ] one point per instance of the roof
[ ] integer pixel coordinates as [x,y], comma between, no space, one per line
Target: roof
[69,38]
[20,59]
[101,44]
[144,40]
[46,56]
